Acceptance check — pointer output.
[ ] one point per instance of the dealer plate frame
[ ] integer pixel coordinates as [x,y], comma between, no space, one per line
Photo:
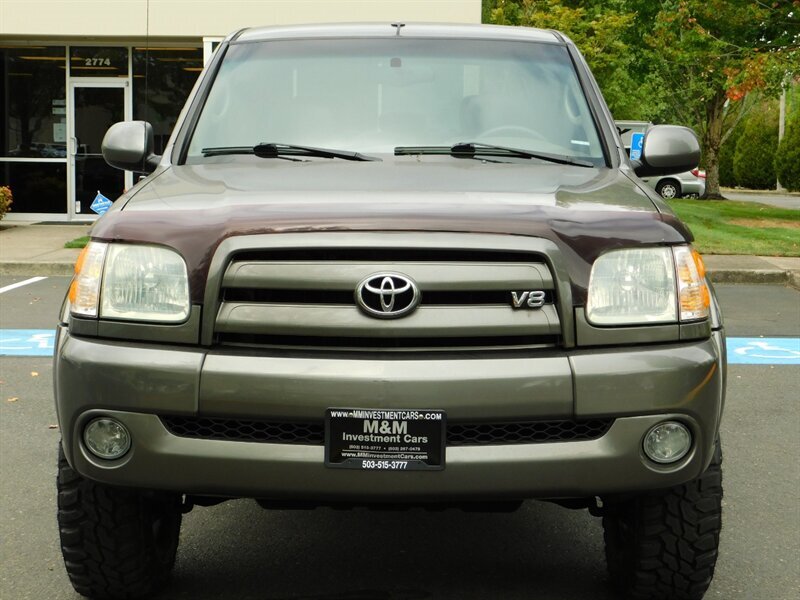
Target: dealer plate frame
[370,455]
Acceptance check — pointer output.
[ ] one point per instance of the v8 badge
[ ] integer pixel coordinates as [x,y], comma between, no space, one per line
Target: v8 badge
[533,299]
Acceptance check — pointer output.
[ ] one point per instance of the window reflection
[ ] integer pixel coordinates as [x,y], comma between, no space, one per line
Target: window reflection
[96,109]
[38,187]
[33,105]
[33,115]
[170,75]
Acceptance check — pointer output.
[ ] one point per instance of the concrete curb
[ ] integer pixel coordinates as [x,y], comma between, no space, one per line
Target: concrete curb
[38,269]
[772,276]
[723,190]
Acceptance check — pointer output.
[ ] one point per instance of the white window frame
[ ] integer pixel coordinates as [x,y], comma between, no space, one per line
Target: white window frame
[210,44]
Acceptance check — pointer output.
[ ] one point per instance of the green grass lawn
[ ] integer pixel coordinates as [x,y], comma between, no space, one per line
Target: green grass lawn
[730,227]
[77,242]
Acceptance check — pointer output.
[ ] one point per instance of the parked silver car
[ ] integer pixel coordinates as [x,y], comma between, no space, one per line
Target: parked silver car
[689,183]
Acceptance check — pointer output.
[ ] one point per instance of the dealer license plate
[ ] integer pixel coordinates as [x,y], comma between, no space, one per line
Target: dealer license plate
[384,440]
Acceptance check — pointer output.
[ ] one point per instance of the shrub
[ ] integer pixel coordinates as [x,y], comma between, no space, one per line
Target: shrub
[5,200]
[726,175]
[787,159]
[754,158]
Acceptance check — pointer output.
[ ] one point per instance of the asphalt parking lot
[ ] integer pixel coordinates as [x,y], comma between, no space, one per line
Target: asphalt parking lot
[237,550]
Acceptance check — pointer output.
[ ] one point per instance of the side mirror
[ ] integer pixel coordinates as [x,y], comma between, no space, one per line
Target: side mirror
[667,149]
[128,145]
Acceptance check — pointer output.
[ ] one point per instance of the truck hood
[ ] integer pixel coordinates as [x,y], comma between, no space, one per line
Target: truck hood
[192,208]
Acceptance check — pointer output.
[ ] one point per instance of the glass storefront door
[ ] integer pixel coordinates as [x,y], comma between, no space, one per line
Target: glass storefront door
[96,105]
[56,102]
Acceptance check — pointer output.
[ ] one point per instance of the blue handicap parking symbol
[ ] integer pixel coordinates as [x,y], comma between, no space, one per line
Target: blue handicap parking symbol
[637,142]
[27,342]
[764,351]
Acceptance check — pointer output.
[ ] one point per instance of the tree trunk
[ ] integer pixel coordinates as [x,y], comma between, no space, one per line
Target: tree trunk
[712,174]
[712,140]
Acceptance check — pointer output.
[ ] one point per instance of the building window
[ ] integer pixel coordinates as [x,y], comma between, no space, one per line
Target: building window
[33,104]
[33,130]
[98,61]
[38,187]
[210,45]
[162,80]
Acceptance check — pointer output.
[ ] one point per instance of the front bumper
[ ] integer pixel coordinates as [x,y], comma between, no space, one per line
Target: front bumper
[638,387]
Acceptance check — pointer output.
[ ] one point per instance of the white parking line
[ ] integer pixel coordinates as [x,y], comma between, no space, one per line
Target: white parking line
[19,284]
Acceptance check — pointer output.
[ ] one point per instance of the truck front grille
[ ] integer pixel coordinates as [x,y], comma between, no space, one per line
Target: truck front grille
[276,432]
[525,432]
[305,299]
[458,434]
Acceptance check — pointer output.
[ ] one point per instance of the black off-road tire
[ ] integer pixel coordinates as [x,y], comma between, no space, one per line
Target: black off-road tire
[117,543]
[663,545]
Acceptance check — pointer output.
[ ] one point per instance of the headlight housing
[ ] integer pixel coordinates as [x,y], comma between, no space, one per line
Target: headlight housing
[639,286]
[130,282]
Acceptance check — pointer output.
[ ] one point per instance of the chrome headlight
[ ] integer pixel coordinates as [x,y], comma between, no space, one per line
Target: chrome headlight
[640,286]
[138,283]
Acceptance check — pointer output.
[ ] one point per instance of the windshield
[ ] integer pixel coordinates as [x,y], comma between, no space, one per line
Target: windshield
[374,95]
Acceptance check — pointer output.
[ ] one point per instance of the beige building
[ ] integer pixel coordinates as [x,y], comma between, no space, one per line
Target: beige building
[71,68]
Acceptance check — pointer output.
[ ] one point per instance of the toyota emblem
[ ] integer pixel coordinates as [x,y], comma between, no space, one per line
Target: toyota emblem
[387,295]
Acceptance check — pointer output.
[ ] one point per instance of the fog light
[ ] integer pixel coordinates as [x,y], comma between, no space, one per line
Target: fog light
[667,442]
[107,438]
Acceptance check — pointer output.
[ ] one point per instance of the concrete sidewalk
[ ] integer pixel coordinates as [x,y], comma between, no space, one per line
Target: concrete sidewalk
[38,249]
[734,268]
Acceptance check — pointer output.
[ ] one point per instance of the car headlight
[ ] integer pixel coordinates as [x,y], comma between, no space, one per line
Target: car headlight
[130,282]
[639,286]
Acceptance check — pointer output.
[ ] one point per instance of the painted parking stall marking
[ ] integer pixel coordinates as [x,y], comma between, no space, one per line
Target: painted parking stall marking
[27,342]
[764,351]
[741,351]
[19,284]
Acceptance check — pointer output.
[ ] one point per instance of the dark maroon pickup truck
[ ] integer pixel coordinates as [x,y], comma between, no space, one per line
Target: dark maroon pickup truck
[392,264]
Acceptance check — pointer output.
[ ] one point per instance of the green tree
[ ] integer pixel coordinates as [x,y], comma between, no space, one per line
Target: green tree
[611,34]
[726,175]
[688,62]
[787,158]
[754,159]
[598,28]
[714,53]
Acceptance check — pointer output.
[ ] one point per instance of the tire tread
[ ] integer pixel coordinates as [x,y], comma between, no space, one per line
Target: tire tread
[103,541]
[664,545]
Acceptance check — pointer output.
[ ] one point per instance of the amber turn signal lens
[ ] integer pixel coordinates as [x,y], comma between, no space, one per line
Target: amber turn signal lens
[698,260]
[73,287]
[84,291]
[693,295]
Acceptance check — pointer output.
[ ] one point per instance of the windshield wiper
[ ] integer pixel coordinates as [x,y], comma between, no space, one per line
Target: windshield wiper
[473,149]
[269,150]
